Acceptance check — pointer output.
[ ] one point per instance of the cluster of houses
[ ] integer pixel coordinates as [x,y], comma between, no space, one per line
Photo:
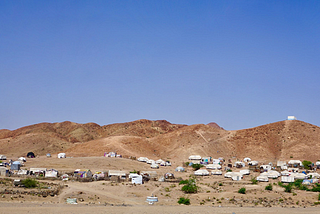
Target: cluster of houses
[289,172]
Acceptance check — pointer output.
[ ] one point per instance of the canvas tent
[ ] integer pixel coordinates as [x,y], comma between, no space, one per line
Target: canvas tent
[253,163]
[287,179]
[30,155]
[262,178]
[245,171]
[216,172]
[246,159]
[213,166]
[143,159]
[202,172]
[179,169]
[295,163]
[48,155]
[62,155]
[117,173]
[22,159]
[3,157]
[154,166]
[195,158]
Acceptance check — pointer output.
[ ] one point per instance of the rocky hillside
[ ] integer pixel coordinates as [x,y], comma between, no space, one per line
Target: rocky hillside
[282,140]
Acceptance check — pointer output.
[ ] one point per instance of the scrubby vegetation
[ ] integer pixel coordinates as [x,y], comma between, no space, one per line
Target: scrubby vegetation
[30,183]
[269,187]
[183,200]
[189,186]
[306,164]
[242,190]
[254,180]
[196,166]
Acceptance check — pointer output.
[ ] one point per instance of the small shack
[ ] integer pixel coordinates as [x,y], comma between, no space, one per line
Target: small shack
[135,178]
[4,171]
[51,173]
[82,173]
[15,165]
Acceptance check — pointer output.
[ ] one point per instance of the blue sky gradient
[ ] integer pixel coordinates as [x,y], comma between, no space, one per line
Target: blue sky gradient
[238,63]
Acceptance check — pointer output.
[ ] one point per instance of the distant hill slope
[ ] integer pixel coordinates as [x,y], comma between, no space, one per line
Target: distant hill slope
[161,139]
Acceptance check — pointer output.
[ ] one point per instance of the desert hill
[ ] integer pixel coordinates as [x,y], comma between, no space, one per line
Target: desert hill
[282,140]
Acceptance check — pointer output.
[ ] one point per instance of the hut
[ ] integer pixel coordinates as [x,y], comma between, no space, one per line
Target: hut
[15,165]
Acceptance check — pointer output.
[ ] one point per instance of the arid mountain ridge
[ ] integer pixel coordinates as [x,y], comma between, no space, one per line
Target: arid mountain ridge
[284,140]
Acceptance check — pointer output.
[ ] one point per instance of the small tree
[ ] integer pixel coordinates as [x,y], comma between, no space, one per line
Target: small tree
[242,190]
[189,186]
[185,201]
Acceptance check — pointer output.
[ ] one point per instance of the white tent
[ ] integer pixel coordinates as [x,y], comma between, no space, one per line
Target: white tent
[285,173]
[213,166]
[143,159]
[287,179]
[179,169]
[216,172]
[150,161]
[216,161]
[231,174]
[313,175]
[62,155]
[159,161]
[247,159]
[273,174]
[253,163]
[22,159]
[295,162]
[299,175]
[262,178]
[195,157]
[154,166]
[201,172]
[245,171]
[265,167]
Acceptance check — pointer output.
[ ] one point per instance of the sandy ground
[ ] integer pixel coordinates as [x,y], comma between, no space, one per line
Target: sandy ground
[217,194]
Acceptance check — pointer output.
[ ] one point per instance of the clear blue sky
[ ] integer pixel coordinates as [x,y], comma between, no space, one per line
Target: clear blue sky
[238,63]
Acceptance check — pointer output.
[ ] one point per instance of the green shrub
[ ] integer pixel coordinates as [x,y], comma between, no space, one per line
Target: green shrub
[319,197]
[269,187]
[189,186]
[254,180]
[186,163]
[288,188]
[242,190]
[306,164]
[183,200]
[220,184]
[196,166]
[29,183]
